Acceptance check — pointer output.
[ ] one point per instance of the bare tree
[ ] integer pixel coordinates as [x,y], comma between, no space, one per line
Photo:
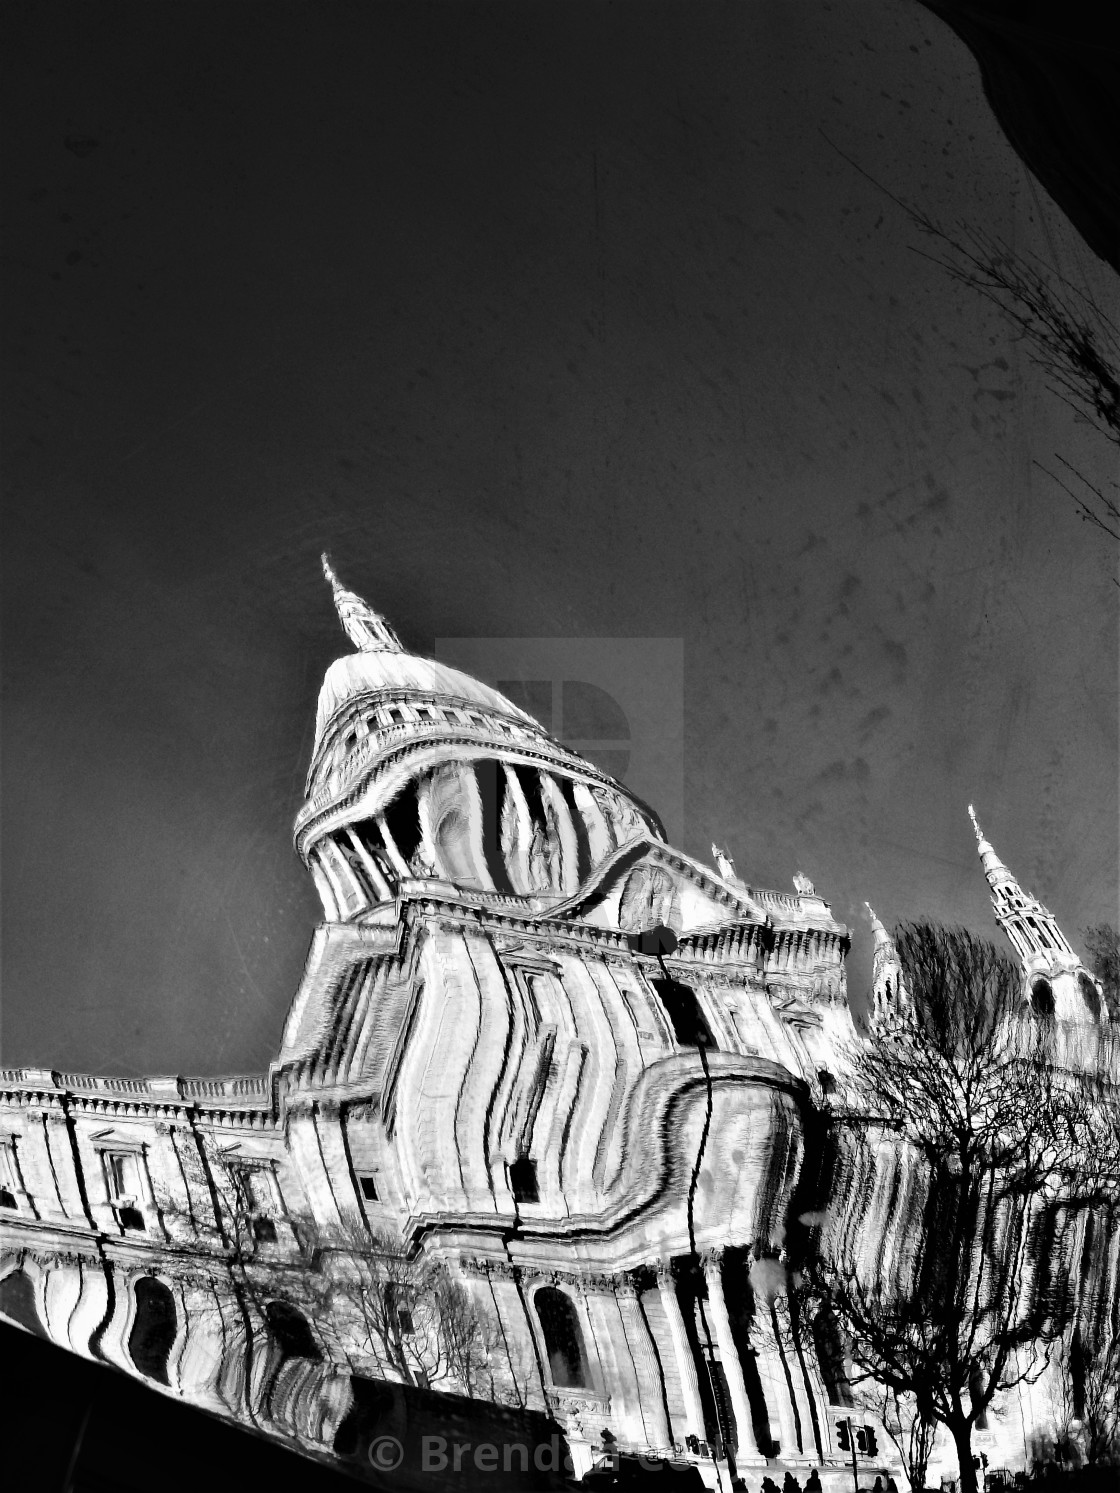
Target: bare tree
[1103,945]
[401,1314]
[1067,335]
[1100,1406]
[904,1423]
[1088,1422]
[975,1119]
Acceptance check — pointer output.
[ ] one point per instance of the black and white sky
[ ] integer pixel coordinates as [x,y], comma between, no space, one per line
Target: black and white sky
[549,321]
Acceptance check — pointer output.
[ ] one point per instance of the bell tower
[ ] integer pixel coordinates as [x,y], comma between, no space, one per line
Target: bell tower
[1057,983]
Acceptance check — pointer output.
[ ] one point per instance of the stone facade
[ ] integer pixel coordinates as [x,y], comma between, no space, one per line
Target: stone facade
[532,1040]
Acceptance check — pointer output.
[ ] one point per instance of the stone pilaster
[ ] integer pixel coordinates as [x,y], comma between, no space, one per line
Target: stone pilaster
[801,1390]
[775,1386]
[729,1358]
[651,1391]
[682,1349]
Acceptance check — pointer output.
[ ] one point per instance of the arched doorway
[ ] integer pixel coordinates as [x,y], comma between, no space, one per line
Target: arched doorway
[153,1329]
[17,1301]
[290,1331]
[563,1339]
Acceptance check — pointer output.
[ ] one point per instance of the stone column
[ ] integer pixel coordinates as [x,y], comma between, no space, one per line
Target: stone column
[329,859]
[373,871]
[682,1349]
[353,894]
[651,1393]
[598,830]
[569,840]
[476,811]
[516,833]
[324,888]
[398,860]
[729,1358]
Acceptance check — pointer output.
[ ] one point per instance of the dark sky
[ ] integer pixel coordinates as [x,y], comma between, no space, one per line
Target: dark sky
[548,321]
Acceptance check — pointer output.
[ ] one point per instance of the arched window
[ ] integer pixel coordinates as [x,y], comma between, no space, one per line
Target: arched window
[153,1329]
[1042,997]
[17,1301]
[1077,1374]
[290,1331]
[1090,996]
[563,1340]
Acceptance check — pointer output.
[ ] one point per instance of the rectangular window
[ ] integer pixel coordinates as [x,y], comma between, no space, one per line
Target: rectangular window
[523,1180]
[256,1197]
[369,1189]
[8,1186]
[122,1176]
[683,1009]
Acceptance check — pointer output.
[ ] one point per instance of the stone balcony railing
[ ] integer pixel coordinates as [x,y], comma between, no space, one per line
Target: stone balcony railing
[241,1091]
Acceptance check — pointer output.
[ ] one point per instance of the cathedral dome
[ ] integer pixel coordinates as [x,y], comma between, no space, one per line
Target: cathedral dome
[418,770]
[364,674]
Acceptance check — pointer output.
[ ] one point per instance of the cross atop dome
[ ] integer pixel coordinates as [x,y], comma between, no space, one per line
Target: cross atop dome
[366,629]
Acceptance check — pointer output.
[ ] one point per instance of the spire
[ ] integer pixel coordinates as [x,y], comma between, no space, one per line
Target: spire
[881,936]
[1031,928]
[890,996]
[997,873]
[368,631]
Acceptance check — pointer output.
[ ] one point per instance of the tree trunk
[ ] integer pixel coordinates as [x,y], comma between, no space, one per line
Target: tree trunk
[962,1438]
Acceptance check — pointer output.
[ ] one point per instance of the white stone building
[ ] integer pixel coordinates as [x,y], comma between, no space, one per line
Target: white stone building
[533,1040]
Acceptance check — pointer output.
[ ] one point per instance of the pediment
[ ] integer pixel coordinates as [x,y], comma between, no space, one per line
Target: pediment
[646,882]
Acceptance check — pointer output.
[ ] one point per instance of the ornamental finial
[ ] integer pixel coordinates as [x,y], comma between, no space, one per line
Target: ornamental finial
[366,629]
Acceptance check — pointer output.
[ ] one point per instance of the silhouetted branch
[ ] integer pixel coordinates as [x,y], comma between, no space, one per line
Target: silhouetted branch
[967,1127]
[1067,334]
